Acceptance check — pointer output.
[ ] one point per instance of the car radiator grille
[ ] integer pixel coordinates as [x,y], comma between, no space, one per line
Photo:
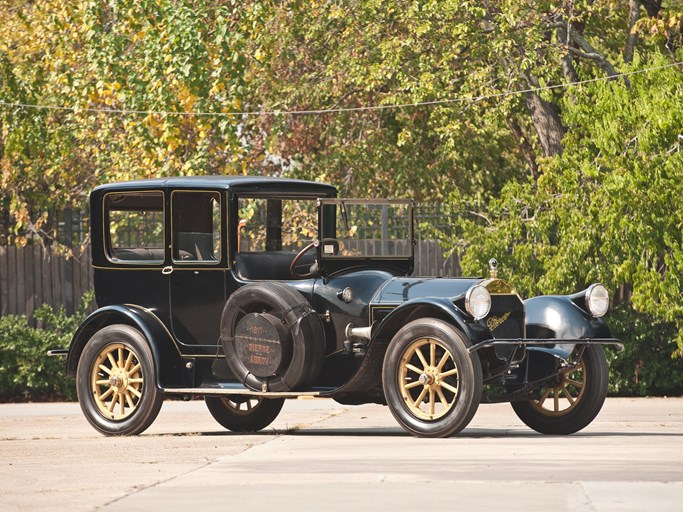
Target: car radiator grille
[505,320]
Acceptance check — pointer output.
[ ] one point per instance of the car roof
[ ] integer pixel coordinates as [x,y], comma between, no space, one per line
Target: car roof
[240,183]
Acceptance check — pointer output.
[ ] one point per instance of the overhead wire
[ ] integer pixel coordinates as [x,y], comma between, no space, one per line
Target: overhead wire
[323,111]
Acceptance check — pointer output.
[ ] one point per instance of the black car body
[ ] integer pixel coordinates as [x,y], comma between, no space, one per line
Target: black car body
[251,290]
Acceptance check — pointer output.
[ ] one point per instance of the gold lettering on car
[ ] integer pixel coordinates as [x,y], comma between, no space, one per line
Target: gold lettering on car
[259,360]
[496,321]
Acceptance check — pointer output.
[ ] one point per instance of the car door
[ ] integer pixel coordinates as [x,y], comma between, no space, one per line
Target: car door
[198,270]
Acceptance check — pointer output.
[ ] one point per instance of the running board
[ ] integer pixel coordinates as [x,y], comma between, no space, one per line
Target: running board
[241,390]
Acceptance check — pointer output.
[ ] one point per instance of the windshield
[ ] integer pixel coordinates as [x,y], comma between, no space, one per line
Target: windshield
[364,228]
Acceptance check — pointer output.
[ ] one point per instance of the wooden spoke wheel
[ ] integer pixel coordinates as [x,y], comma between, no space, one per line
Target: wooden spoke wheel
[572,399]
[428,378]
[561,396]
[431,382]
[115,381]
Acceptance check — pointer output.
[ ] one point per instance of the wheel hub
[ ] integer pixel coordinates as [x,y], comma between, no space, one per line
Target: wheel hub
[426,379]
[118,382]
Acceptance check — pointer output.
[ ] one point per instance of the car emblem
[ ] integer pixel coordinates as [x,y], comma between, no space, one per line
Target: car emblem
[496,321]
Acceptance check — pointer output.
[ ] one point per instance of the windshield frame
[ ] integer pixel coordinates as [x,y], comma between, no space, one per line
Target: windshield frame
[332,263]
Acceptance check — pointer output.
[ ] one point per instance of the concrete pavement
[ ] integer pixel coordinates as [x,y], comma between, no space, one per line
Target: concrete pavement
[321,455]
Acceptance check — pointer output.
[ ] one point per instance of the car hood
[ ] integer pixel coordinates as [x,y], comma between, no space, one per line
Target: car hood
[401,289]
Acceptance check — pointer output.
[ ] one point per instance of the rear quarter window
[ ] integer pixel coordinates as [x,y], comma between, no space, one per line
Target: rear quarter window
[134,227]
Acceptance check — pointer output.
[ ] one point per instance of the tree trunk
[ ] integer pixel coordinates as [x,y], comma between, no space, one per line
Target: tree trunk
[525,147]
[546,119]
[567,61]
[632,39]
[652,7]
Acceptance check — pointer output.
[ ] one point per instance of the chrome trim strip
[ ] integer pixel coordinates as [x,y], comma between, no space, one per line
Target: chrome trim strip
[159,268]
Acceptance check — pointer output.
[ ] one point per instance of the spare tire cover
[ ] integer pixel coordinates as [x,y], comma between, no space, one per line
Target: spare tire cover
[272,338]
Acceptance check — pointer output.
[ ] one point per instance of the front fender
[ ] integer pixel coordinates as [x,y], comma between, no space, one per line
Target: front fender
[436,307]
[167,361]
[557,316]
[369,374]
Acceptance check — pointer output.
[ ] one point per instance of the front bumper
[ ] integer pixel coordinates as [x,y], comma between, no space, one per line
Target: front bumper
[545,342]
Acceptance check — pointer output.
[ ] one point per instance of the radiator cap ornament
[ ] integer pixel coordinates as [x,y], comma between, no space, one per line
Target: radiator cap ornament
[493,268]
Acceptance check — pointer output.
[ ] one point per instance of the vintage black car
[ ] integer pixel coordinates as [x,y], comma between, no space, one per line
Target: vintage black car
[250,290]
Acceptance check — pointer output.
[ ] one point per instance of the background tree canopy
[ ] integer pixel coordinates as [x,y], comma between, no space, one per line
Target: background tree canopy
[565,185]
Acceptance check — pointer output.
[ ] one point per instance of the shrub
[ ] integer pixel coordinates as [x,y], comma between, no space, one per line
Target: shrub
[646,366]
[26,372]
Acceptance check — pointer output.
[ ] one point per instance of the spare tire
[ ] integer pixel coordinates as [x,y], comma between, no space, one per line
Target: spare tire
[272,338]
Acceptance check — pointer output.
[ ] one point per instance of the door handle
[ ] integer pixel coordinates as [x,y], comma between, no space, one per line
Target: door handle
[167,270]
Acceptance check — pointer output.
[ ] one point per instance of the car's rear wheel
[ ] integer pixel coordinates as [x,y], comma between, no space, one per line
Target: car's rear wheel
[115,382]
[431,382]
[572,399]
[244,413]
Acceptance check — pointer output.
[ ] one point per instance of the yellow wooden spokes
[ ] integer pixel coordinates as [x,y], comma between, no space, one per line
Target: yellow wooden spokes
[565,393]
[116,381]
[429,385]
[243,407]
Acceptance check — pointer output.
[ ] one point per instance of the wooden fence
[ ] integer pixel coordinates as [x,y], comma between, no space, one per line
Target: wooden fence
[34,275]
[431,260]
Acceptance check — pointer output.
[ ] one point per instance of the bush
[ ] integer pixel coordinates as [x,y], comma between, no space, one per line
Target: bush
[26,372]
[646,367]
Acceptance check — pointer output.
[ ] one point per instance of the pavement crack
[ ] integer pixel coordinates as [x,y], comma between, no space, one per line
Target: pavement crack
[301,426]
[139,488]
[143,487]
[588,502]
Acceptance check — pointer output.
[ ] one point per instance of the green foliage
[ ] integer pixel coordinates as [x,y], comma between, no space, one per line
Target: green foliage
[607,210]
[26,372]
[645,367]
[348,55]
[143,56]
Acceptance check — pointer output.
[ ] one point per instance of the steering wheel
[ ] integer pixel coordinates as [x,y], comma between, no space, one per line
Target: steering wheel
[292,267]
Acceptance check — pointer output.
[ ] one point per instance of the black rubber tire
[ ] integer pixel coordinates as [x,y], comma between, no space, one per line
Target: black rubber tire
[463,404]
[595,381]
[147,405]
[228,412]
[308,335]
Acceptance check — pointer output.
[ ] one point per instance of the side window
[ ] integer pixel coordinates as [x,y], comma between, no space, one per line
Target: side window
[267,225]
[196,227]
[134,225]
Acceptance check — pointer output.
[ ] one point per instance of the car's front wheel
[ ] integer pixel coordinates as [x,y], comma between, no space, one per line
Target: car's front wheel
[115,381]
[244,413]
[431,382]
[572,399]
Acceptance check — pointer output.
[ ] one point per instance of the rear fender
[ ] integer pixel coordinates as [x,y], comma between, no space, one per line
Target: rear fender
[167,361]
